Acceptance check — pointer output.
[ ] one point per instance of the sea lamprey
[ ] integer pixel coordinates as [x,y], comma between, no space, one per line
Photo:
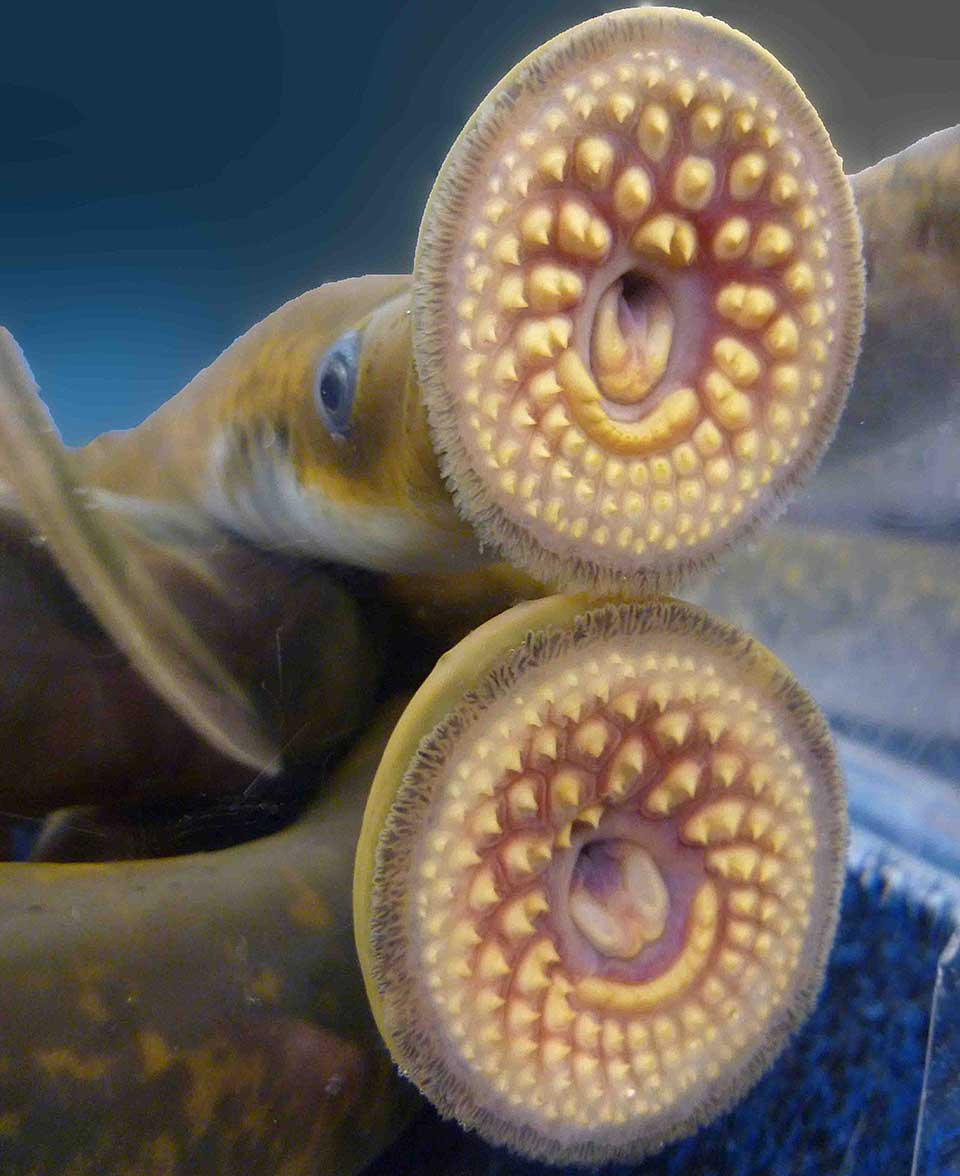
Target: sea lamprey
[638,299]
[598,875]
[635,309]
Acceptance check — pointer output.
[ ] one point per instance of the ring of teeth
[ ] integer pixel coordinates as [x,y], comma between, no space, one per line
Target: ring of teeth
[620,1004]
[646,308]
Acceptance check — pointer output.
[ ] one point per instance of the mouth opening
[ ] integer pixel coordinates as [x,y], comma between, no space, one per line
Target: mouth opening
[632,337]
[618,899]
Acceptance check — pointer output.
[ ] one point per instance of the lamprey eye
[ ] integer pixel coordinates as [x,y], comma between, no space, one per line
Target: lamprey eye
[638,298]
[337,383]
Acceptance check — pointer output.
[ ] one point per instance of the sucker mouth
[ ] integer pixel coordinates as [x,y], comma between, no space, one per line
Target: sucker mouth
[621,872]
[642,322]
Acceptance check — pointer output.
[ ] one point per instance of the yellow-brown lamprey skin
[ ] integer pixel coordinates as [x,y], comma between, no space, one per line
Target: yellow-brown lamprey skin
[245,440]
[198,1016]
[598,875]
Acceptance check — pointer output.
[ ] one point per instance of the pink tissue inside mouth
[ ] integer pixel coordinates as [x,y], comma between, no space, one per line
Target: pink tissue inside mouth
[589,862]
[597,868]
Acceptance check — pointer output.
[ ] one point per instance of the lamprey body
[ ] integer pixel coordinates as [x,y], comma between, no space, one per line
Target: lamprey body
[197,1016]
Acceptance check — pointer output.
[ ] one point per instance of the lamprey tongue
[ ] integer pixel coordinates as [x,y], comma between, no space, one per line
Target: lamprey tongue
[617,898]
[608,879]
[638,299]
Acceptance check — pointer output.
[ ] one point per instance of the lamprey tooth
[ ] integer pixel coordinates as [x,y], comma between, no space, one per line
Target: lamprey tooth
[662,212]
[626,769]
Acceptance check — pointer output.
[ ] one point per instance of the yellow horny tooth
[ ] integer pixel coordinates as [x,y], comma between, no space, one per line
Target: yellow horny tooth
[520,1015]
[535,341]
[515,921]
[594,162]
[731,239]
[566,789]
[522,799]
[738,862]
[774,244]
[507,251]
[632,194]
[736,361]
[483,891]
[551,288]
[591,738]
[799,279]
[486,822]
[784,188]
[782,338]
[531,975]
[654,131]
[677,787]
[733,409]
[536,227]
[553,163]
[684,92]
[621,106]
[667,238]
[694,183]
[706,125]
[557,1014]
[581,234]
[626,769]
[718,821]
[492,963]
[510,295]
[555,1052]
[746,175]
[749,307]
[785,379]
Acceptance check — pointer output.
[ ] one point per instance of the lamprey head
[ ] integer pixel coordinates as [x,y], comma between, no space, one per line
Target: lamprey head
[599,875]
[325,449]
[638,299]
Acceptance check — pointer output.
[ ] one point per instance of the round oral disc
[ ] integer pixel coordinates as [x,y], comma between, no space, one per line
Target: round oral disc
[638,299]
[607,880]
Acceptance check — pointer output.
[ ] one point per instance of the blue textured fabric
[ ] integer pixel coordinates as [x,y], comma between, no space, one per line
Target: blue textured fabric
[844,1096]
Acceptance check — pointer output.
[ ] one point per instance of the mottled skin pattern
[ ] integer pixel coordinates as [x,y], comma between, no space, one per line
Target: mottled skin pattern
[201,1015]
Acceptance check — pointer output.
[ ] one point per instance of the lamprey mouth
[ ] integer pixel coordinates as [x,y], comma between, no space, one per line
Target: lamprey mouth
[631,339]
[608,879]
[618,899]
[638,299]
